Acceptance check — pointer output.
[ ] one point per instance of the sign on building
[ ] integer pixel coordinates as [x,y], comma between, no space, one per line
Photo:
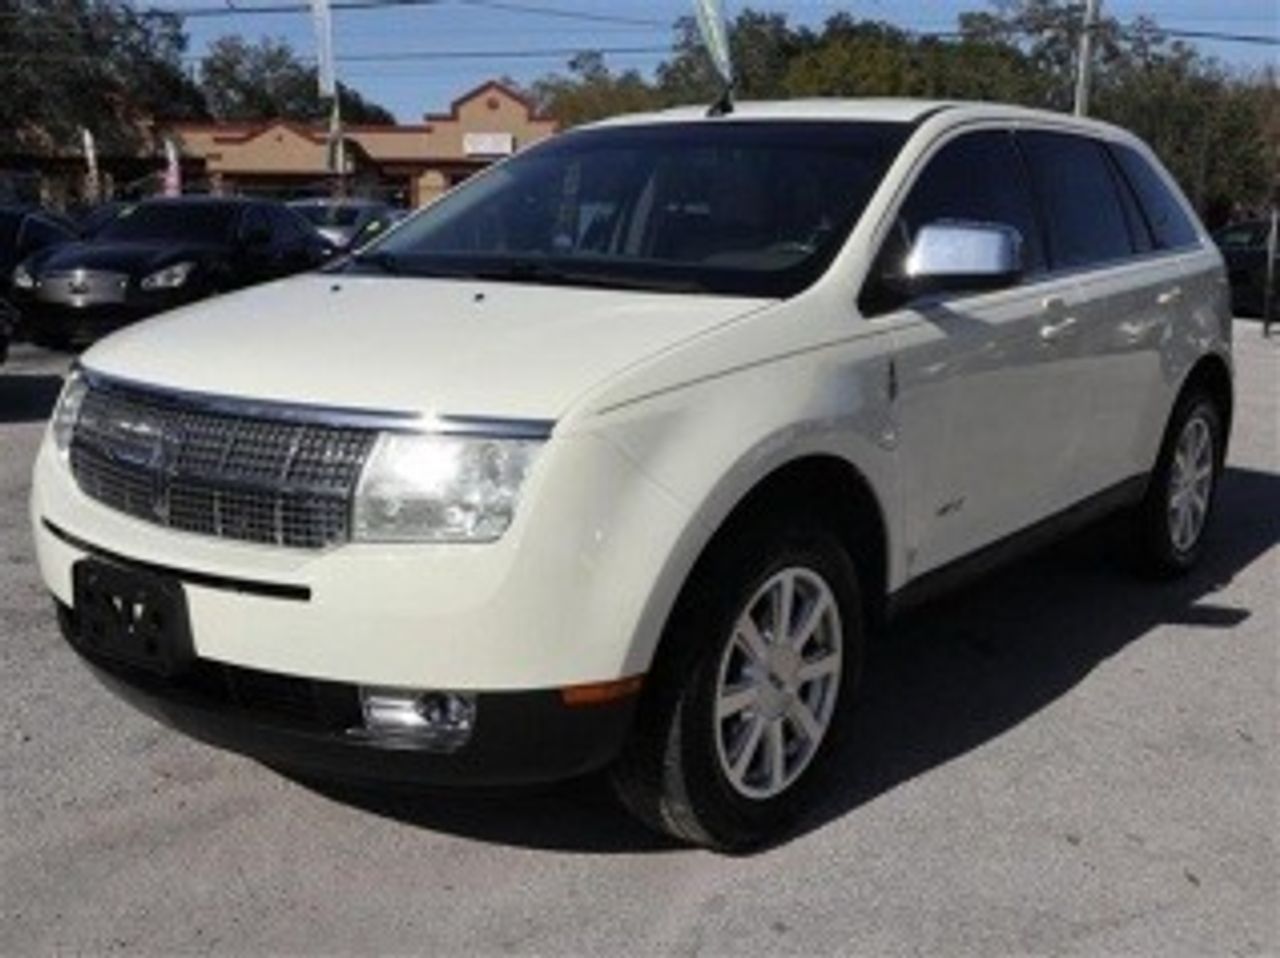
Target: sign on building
[488,144]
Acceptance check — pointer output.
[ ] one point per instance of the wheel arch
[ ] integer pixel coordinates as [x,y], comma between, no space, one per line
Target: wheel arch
[821,483]
[1212,374]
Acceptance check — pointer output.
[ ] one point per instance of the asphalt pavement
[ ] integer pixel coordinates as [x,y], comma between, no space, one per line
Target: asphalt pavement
[1065,759]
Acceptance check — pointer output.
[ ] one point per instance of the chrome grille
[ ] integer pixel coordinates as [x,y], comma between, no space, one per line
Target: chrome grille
[252,478]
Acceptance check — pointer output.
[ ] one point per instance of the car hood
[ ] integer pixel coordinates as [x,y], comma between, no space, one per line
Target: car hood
[426,346]
[133,258]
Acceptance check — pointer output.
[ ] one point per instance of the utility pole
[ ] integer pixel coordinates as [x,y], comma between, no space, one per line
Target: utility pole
[1084,69]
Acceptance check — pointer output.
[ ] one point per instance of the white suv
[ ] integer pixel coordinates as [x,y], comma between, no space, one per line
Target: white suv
[616,455]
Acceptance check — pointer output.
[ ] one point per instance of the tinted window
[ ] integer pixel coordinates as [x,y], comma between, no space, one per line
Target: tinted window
[1079,198]
[977,177]
[738,208]
[1139,231]
[1244,236]
[1169,222]
[209,222]
[9,223]
[288,228]
[39,232]
[256,221]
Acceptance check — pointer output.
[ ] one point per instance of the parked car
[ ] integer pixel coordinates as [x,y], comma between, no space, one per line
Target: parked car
[24,231]
[346,223]
[617,455]
[156,255]
[93,220]
[1244,247]
[8,322]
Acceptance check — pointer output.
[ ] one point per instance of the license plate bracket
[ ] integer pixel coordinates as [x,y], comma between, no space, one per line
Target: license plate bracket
[132,616]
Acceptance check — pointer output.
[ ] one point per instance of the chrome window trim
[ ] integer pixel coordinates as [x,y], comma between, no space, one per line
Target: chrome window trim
[284,411]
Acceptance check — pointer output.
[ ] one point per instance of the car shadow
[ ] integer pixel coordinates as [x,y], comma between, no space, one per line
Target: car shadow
[953,676]
[27,398]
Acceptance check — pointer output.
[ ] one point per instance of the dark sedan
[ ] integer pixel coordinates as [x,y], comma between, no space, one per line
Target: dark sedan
[25,231]
[155,256]
[1244,247]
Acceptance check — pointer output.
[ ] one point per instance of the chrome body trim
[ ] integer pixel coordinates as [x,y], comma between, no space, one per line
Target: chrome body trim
[83,287]
[385,420]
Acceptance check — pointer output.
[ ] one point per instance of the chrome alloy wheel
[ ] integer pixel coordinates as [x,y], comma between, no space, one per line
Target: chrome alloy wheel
[778,682]
[1191,483]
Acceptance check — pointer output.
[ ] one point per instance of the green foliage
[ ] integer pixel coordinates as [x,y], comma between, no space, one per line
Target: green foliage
[100,64]
[117,69]
[267,80]
[1217,131]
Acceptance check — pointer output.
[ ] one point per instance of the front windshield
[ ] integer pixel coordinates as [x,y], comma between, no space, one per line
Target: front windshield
[207,222]
[741,208]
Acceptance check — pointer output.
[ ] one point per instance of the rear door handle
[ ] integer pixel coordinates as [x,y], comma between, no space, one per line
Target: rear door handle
[1169,296]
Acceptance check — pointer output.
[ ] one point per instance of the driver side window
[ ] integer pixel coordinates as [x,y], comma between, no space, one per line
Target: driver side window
[977,177]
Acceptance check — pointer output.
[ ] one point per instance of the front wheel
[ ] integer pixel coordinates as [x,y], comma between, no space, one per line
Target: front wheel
[1179,502]
[760,663]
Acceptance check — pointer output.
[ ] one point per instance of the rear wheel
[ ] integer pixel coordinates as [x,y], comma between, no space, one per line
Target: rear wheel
[762,659]
[1179,502]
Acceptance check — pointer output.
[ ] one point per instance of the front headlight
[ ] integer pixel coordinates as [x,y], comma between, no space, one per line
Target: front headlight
[171,277]
[67,412]
[22,278]
[440,488]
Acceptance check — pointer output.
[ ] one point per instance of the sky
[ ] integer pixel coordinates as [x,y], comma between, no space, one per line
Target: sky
[368,41]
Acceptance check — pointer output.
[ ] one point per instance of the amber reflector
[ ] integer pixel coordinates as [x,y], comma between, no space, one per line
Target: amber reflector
[598,693]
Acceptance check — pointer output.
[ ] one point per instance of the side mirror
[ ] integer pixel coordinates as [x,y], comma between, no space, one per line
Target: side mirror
[953,256]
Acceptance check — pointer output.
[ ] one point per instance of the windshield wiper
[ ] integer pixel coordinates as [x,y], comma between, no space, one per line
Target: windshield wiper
[382,260]
[536,271]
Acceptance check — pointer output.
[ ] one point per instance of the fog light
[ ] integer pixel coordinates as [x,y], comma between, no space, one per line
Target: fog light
[410,718]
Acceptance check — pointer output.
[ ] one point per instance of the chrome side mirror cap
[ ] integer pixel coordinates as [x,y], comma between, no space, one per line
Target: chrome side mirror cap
[954,256]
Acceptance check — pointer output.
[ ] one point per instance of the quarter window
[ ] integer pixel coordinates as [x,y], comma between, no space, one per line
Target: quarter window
[1078,194]
[1172,227]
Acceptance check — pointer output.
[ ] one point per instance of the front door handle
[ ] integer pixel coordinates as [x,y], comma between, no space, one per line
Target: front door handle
[1169,296]
[1051,332]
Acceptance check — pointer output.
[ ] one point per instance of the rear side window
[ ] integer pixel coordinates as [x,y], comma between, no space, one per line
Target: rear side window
[1080,200]
[1172,228]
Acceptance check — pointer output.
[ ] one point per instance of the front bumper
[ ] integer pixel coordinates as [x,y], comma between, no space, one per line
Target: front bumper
[557,602]
[83,322]
[314,727]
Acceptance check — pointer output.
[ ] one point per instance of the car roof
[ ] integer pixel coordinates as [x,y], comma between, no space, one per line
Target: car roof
[863,110]
[330,201]
[201,200]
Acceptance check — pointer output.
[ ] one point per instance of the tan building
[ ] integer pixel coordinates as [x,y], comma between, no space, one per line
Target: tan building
[412,164]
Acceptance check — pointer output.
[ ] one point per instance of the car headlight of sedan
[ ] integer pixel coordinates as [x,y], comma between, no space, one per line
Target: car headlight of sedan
[67,412]
[171,277]
[22,278]
[440,488]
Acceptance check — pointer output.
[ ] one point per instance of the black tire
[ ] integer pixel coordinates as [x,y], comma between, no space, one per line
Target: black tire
[670,774]
[1159,553]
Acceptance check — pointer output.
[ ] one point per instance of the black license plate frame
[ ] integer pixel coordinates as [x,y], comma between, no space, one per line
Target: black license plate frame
[132,616]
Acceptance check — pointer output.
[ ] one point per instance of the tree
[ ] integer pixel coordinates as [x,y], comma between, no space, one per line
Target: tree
[100,64]
[592,91]
[1218,132]
[268,81]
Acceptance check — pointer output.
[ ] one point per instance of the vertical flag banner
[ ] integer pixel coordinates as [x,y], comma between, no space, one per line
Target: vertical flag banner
[715,34]
[322,16]
[91,164]
[172,169]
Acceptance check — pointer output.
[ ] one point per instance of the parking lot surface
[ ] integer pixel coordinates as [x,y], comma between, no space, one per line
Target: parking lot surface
[1064,759]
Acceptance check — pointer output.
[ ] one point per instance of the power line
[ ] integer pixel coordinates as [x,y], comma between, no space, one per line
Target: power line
[294,7]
